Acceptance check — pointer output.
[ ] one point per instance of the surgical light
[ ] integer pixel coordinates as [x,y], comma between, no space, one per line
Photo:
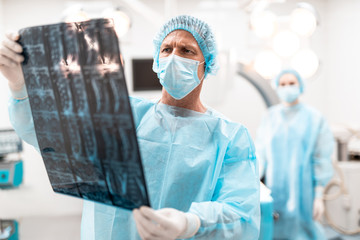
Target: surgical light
[264,23]
[122,21]
[267,64]
[286,43]
[75,14]
[303,20]
[305,62]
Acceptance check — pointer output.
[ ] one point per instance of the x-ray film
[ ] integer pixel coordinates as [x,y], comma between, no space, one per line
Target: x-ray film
[81,111]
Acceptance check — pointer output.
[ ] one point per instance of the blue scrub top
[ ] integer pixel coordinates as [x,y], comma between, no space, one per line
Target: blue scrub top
[196,162]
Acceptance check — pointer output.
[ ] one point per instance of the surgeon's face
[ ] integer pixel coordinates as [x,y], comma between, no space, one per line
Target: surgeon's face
[183,44]
[288,79]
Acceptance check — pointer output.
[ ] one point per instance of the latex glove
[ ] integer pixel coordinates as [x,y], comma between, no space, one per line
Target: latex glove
[318,208]
[165,224]
[10,60]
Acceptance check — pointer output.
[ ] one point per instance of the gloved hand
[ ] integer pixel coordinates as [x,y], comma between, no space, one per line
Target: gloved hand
[318,208]
[10,59]
[165,224]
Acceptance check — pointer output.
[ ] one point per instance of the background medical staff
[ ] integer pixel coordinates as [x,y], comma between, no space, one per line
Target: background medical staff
[294,146]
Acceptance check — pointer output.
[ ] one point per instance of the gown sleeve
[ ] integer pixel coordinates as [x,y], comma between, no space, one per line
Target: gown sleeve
[261,144]
[234,211]
[321,157]
[21,119]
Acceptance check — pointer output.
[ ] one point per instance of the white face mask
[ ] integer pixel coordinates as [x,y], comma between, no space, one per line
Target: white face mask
[288,93]
[178,75]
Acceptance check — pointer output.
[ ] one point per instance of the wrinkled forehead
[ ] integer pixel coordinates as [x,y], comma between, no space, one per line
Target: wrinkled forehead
[288,78]
[180,36]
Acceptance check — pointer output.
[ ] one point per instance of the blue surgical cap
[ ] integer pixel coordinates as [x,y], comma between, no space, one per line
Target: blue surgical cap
[202,34]
[293,72]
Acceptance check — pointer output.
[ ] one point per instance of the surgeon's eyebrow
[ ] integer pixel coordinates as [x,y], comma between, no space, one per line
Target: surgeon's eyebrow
[190,45]
[165,45]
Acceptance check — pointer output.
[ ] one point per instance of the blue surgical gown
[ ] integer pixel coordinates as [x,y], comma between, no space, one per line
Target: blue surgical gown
[294,144]
[196,162]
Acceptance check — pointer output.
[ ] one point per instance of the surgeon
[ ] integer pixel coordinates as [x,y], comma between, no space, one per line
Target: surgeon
[200,168]
[294,146]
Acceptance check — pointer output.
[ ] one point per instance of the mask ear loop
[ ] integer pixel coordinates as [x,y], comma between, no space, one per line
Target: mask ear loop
[204,70]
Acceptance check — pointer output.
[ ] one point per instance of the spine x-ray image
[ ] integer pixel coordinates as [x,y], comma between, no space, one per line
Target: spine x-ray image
[81,111]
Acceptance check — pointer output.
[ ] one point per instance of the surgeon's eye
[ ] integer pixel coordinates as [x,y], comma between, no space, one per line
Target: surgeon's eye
[187,51]
[166,50]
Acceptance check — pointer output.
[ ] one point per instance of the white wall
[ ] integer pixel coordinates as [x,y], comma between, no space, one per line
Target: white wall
[4,120]
[334,91]
[342,38]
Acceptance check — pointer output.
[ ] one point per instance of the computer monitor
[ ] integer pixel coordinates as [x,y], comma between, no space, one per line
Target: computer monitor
[144,78]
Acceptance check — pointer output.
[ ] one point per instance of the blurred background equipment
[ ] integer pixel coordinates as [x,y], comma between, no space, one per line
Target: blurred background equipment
[11,166]
[11,175]
[8,230]
[342,195]
[260,84]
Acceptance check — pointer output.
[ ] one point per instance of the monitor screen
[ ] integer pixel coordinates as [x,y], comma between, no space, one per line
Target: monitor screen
[144,78]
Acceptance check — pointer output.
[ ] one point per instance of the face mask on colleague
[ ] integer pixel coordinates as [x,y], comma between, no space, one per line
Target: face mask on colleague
[288,93]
